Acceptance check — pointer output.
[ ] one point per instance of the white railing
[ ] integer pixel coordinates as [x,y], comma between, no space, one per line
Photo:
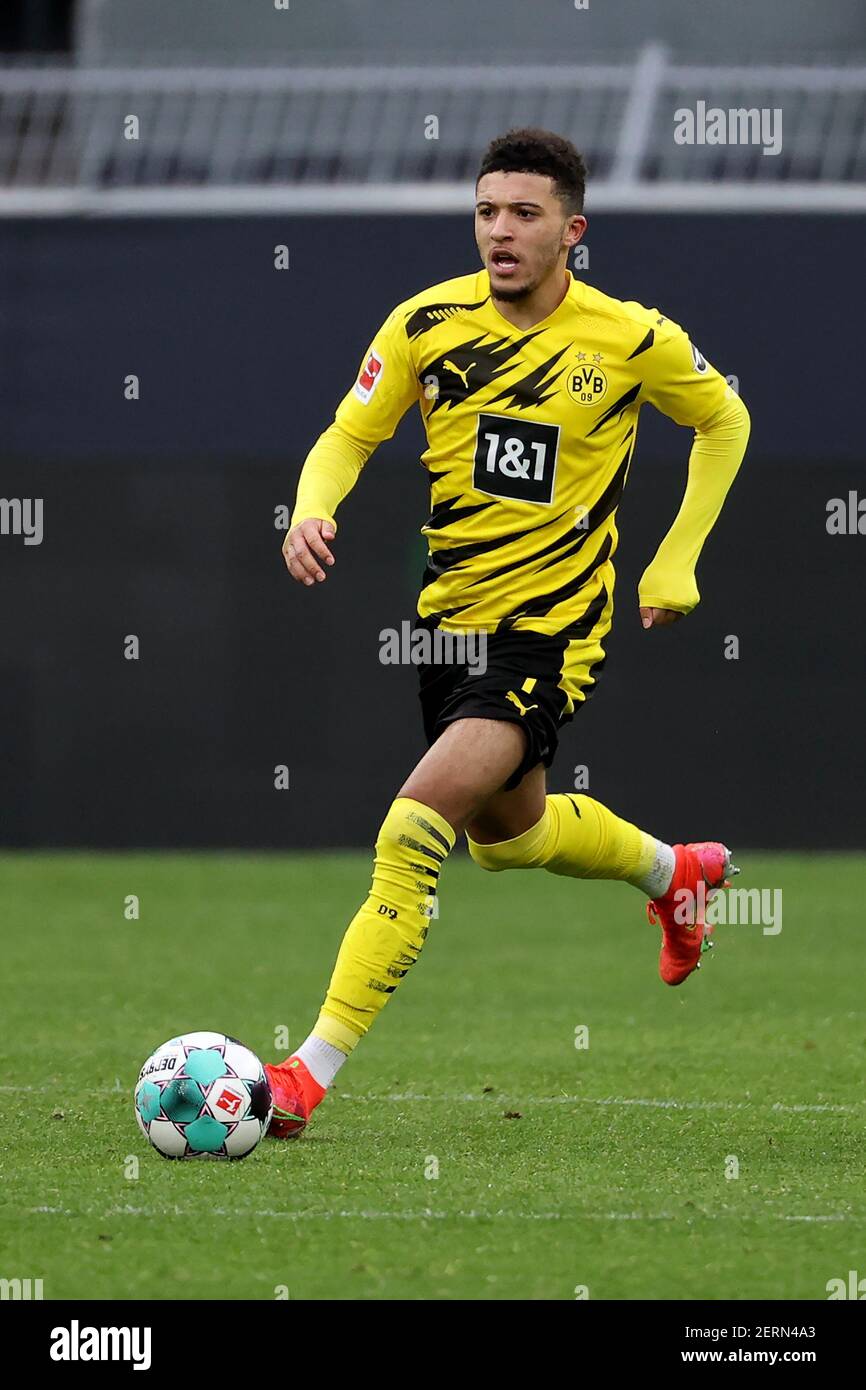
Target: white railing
[223,140]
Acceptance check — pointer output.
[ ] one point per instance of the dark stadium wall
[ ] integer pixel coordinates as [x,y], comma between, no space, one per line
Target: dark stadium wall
[745,721]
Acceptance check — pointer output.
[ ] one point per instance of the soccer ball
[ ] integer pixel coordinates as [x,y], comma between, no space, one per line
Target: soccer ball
[203,1095]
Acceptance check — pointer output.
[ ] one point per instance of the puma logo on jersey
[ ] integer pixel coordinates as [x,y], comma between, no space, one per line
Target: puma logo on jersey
[515,700]
[464,376]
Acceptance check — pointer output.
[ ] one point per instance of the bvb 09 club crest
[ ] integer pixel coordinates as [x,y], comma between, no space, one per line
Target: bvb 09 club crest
[586,383]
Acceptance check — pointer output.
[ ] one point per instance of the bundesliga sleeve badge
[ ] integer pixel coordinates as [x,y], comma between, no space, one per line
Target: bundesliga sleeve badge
[369,377]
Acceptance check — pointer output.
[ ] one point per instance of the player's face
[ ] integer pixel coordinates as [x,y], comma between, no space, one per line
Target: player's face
[522,231]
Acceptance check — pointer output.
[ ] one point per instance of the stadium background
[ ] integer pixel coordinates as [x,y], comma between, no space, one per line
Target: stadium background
[156,257]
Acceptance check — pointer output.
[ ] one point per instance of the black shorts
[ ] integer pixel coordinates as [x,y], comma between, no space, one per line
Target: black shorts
[530,679]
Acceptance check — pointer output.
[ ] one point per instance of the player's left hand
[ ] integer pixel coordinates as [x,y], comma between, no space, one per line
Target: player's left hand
[658,617]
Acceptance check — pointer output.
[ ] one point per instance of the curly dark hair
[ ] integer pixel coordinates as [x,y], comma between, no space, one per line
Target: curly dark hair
[528,150]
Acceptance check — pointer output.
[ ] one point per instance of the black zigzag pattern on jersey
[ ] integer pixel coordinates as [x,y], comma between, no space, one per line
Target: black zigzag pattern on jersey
[445,513]
[556,544]
[534,388]
[583,626]
[421,320]
[466,368]
[434,619]
[541,604]
[601,510]
[617,408]
[575,550]
[642,347]
[441,560]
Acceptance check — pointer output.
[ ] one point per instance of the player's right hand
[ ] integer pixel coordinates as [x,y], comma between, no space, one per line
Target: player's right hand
[305,551]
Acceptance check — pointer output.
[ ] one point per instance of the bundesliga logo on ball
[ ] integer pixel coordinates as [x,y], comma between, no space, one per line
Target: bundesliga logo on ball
[203,1095]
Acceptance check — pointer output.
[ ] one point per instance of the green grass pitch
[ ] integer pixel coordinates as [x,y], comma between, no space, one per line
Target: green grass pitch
[558,1168]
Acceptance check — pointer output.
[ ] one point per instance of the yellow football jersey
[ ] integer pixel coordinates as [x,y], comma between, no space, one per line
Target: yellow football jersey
[530,434]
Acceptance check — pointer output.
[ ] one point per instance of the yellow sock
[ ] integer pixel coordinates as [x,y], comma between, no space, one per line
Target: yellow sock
[385,937]
[578,837]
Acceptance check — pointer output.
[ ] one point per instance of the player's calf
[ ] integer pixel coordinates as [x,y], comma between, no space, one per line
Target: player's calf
[382,943]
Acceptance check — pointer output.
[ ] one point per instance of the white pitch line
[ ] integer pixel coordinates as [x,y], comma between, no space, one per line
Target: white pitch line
[651,1102]
[429,1215]
[86,1091]
[452,1098]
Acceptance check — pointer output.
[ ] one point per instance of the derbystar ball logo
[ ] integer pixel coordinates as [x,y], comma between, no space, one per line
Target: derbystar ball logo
[371,374]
